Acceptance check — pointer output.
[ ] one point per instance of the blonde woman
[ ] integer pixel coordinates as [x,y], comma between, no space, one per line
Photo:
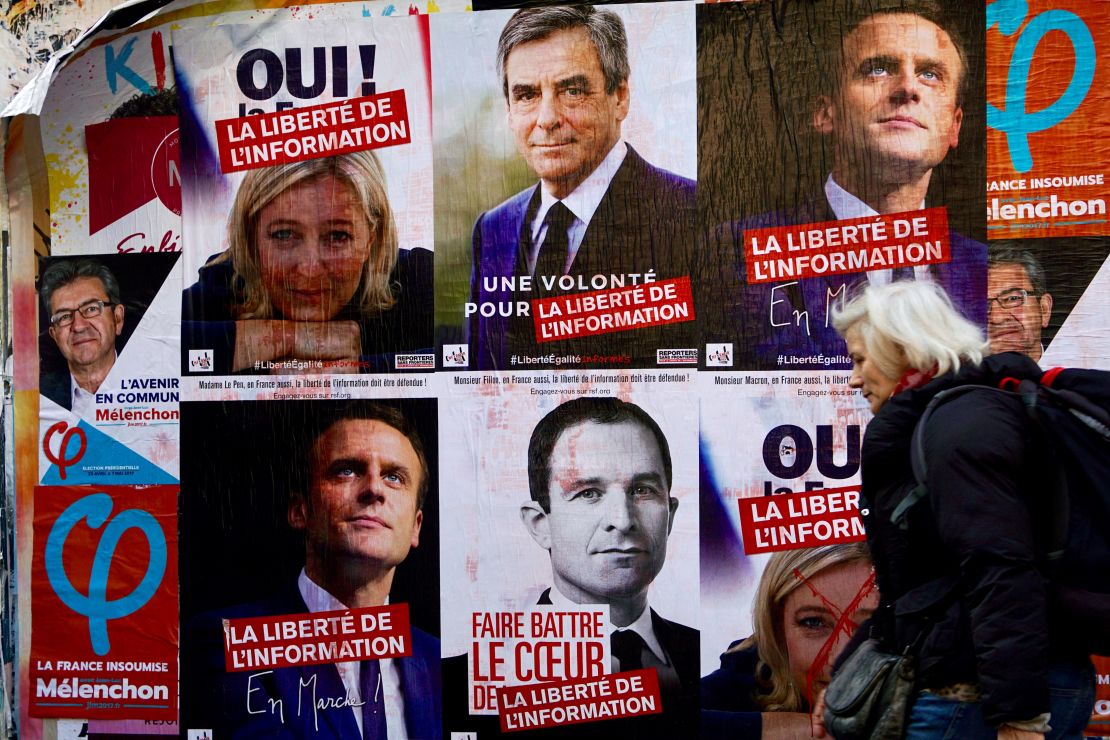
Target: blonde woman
[312,272]
[809,602]
[959,576]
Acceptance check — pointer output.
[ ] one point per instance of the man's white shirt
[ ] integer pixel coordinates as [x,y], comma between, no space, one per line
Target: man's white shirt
[81,402]
[845,205]
[582,202]
[641,625]
[319,600]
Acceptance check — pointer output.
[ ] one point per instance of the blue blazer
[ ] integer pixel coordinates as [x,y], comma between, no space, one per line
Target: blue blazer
[215,699]
[740,313]
[645,221]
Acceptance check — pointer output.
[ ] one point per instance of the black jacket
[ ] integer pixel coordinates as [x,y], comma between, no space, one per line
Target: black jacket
[969,554]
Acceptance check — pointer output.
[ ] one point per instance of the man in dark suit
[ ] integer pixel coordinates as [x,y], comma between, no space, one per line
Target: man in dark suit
[598,208]
[599,474]
[82,300]
[359,503]
[893,114]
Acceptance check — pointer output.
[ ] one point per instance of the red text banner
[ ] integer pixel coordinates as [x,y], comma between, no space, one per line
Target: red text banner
[371,633]
[296,135]
[543,644]
[880,242]
[104,602]
[618,309]
[628,694]
[824,516]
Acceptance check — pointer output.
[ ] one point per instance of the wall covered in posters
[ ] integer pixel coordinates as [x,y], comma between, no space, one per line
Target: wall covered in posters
[440,372]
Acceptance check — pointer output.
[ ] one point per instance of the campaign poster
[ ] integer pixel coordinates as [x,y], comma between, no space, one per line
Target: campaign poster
[112,161]
[306,200]
[545,147]
[574,523]
[782,551]
[108,383]
[310,552]
[104,603]
[1048,140]
[822,171]
[135,166]
[1047,298]
[110,114]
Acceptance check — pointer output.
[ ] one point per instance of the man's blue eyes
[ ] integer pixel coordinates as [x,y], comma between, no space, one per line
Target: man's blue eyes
[881,70]
[353,473]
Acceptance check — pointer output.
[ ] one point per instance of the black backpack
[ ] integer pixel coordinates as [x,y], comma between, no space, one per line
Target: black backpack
[1071,412]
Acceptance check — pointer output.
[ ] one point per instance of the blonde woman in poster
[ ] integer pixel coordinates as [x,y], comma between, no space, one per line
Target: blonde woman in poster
[312,272]
[809,602]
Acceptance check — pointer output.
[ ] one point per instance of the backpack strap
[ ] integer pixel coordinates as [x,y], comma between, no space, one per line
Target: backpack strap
[917,454]
[1030,392]
[1027,389]
[1049,376]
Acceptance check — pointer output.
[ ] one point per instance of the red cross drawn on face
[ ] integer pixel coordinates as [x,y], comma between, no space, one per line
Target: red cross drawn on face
[845,626]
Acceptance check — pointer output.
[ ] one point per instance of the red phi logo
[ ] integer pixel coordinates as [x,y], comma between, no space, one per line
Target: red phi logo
[60,458]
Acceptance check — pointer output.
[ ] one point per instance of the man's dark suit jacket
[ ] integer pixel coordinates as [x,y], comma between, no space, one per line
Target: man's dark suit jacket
[216,699]
[645,221]
[733,311]
[678,720]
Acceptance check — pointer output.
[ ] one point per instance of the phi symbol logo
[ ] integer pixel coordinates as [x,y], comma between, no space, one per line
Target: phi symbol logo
[60,458]
[96,509]
[1015,121]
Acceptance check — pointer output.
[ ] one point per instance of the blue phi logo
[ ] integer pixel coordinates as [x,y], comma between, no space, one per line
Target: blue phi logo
[1015,121]
[96,508]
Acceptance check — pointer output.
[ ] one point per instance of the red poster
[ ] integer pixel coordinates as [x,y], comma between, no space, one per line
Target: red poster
[104,602]
[1100,720]
[132,161]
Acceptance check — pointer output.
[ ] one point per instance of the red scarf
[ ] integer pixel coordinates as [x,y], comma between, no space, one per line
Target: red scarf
[913,379]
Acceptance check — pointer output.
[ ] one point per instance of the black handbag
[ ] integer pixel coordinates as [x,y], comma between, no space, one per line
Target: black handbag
[870,695]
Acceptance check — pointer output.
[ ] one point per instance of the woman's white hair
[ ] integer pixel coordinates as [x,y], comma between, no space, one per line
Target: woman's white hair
[911,322]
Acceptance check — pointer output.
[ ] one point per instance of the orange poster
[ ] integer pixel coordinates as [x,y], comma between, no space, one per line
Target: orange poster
[1048,137]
